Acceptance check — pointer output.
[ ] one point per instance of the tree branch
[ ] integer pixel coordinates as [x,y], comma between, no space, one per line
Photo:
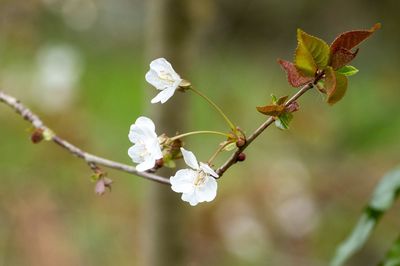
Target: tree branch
[233,159]
[91,159]
[94,160]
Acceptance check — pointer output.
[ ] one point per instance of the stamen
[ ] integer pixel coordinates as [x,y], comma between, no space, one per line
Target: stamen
[200,179]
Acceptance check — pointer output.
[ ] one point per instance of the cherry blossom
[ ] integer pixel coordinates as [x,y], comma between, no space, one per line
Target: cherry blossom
[146,149]
[197,183]
[164,78]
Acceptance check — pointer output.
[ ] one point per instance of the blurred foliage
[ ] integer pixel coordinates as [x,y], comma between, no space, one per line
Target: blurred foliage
[384,196]
[290,203]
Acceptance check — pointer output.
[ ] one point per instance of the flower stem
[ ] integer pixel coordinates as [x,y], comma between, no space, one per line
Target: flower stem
[220,148]
[200,132]
[216,107]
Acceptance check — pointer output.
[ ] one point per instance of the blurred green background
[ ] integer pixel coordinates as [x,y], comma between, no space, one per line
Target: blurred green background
[80,64]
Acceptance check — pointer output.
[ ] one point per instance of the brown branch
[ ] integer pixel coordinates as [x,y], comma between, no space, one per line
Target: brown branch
[91,159]
[234,157]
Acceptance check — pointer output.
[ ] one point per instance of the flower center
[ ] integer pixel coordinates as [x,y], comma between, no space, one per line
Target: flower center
[144,152]
[200,178]
[167,77]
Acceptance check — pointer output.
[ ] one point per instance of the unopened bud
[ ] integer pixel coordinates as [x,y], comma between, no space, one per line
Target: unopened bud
[159,163]
[240,142]
[241,157]
[37,135]
[101,185]
[185,84]
[293,107]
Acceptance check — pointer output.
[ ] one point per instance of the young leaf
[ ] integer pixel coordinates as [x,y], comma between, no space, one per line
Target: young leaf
[335,85]
[303,59]
[295,78]
[342,57]
[311,53]
[271,110]
[276,108]
[351,39]
[282,100]
[347,71]
[283,121]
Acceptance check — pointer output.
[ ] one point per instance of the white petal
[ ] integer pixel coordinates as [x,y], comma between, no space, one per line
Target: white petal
[190,197]
[183,180]
[148,164]
[207,169]
[135,153]
[161,64]
[136,134]
[155,149]
[208,191]
[142,131]
[153,78]
[145,122]
[164,95]
[190,159]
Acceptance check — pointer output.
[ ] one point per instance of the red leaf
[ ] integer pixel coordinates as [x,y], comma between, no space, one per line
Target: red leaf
[351,39]
[342,57]
[293,75]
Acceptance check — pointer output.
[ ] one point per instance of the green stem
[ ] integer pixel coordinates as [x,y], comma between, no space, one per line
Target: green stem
[200,132]
[220,148]
[216,107]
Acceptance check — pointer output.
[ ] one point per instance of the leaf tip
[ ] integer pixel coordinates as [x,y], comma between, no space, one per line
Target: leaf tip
[376,27]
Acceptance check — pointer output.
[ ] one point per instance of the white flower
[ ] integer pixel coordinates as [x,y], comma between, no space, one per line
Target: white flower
[162,76]
[146,149]
[197,184]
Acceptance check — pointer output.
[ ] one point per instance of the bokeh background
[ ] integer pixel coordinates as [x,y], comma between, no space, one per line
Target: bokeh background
[80,64]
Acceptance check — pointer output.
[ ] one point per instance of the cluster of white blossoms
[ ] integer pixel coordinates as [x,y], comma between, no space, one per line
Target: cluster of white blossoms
[197,184]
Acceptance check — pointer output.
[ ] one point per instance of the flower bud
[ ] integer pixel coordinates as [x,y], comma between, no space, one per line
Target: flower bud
[101,185]
[241,157]
[37,135]
[293,107]
[240,142]
[159,163]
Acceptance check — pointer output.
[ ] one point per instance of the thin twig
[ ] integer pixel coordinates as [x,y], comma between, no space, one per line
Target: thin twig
[91,159]
[233,159]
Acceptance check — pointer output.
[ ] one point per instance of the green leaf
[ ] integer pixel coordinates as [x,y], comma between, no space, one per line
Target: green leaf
[347,71]
[335,85]
[393,256]
[386,191]
[383,198]
[283,121]
[274,99]
[282,100]
[312,53]
[355,241]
